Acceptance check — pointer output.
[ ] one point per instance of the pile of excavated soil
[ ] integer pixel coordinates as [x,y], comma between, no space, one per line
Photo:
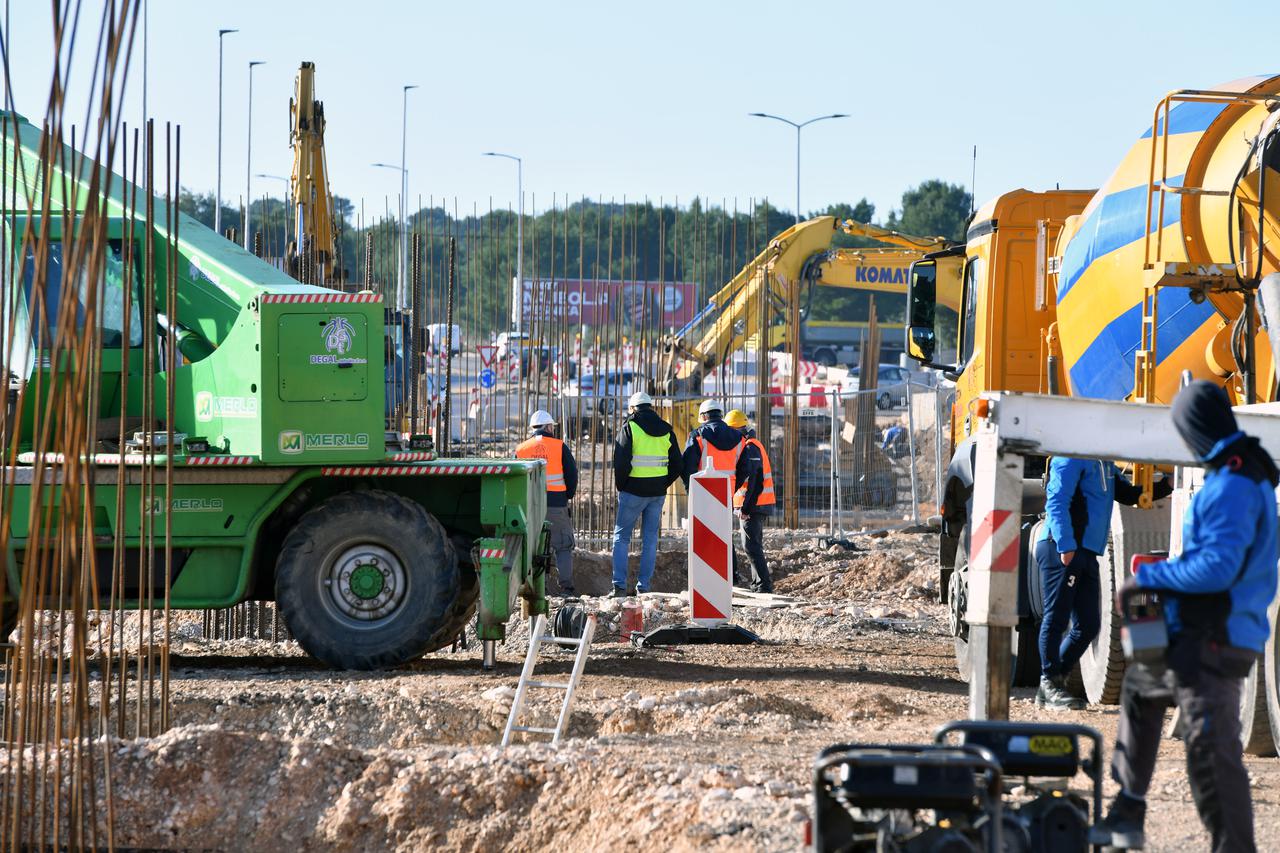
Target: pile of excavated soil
[893,562]
[593,571]
[680,748]
[203,787]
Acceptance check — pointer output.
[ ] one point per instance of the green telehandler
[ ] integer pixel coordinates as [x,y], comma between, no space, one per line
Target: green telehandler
[285,486]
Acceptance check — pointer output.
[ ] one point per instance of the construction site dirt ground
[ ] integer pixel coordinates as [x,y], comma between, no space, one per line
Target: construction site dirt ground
[700,747]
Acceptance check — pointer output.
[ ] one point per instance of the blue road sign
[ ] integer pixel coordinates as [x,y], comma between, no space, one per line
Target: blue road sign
[487,378]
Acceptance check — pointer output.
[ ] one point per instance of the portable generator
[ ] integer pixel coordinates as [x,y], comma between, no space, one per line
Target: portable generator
[869,797]
[1048,818]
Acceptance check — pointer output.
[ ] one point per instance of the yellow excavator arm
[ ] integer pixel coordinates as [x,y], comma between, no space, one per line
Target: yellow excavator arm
[798,256]
[312,250]
[906,241]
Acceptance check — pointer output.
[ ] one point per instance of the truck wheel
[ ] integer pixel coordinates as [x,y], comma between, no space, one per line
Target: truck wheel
[1102,664]
[366,579]
[1133,531]
[1255,728]
[1271,674]
[957,605]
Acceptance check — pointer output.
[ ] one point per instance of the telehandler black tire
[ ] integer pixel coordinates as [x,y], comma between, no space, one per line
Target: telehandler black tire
[366,580]
[461,611]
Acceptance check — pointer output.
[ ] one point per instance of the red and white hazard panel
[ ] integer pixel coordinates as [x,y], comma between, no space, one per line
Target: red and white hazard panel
[994,537]
[711,547]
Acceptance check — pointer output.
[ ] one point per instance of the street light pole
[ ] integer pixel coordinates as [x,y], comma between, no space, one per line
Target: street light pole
[402,295]
[217,198]
[800,126]
[404,180]
[519,283]
[248,160]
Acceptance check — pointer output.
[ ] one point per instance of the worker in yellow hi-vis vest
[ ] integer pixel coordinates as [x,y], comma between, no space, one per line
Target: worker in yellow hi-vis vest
[562,483]
[751,515]
[646,461]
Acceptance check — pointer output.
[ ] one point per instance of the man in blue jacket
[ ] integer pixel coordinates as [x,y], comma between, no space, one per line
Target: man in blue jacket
[1216,594]
[1078,501]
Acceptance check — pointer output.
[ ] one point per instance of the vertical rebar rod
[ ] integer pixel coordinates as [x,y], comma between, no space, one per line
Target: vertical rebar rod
[448,348]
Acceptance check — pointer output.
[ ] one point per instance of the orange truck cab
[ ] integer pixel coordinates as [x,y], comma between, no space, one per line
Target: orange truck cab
[991,303]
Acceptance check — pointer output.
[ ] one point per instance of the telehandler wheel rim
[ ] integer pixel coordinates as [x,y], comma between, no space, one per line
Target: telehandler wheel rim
[366,582]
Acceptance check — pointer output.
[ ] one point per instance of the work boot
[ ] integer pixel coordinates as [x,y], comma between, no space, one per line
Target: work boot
[618,592]
[1053,695]
[1122,828]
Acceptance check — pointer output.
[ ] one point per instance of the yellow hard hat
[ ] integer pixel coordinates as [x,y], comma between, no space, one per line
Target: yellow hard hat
[736,418]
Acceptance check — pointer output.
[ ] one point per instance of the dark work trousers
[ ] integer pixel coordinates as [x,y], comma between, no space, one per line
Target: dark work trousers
[562,543]
[751,530]
[1070,599]
[1210,704]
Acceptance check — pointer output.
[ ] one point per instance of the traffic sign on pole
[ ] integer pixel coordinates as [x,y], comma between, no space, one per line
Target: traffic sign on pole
[487,352]
[487,378]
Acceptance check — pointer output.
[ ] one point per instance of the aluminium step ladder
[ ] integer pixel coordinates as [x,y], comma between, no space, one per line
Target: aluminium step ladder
[537,636]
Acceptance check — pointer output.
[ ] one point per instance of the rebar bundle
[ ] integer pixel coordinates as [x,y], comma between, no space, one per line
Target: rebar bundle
[86,664]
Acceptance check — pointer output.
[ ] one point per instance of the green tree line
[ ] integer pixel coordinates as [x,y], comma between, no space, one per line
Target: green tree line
[699,242]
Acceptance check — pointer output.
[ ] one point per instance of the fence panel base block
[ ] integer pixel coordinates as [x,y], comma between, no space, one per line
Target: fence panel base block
[687,635]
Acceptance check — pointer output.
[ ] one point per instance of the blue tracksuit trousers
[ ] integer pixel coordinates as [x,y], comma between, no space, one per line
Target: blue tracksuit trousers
[1070,600]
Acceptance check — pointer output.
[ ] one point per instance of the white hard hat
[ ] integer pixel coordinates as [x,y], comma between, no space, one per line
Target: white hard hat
[709,406]
[640,399]
[541,418]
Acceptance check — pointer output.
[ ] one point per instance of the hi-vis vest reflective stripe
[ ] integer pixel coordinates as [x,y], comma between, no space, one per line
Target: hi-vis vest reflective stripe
[550,449]
[721,460]
[648,452]
[767,495]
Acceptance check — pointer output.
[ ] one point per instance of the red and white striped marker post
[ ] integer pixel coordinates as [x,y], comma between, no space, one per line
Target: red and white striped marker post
[710,547]
[994,546]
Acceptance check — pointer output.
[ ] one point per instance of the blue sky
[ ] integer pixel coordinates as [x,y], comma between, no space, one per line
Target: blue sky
[651,99]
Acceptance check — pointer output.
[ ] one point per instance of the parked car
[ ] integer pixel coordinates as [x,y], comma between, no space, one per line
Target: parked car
[597,398]
[891,385]
[436,335]
[507,343]
[542,356]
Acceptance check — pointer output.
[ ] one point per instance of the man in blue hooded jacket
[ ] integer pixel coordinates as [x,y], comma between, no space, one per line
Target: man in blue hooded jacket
[1216,595]
[1078,500]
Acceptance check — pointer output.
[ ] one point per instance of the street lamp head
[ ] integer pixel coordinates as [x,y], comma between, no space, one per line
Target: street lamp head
[838,115]
[257,62]
[222,33]
[411,86]
[759,115]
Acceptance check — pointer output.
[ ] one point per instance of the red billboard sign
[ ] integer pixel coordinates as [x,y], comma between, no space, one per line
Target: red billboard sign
[601,302]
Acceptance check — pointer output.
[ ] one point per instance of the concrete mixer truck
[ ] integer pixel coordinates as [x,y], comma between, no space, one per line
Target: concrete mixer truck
[1117,294]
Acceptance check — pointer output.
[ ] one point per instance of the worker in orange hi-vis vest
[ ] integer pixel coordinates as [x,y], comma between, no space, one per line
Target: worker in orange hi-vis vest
[562,483]
[716,445]
[751,521]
